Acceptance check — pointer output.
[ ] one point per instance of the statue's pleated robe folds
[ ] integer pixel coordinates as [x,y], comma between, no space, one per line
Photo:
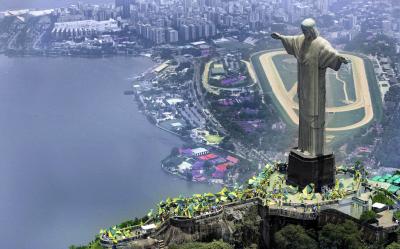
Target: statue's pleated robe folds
[313,58]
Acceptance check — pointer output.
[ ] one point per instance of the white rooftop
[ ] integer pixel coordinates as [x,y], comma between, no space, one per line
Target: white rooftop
[41,12]
[378,205]
[174,101]
[198,43]
[199,150]
[177,124]
[149,227]
[184,166]
[101,26]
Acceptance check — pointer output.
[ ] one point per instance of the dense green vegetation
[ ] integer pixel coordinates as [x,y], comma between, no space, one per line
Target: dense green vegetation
[95,244]
[248,231]
[92,245]
[332,236]
[387,151]
[382,197]
[198,245]
[294,237]
[396,215]
[135,222]
[368,216]
[394,245]
[345,235]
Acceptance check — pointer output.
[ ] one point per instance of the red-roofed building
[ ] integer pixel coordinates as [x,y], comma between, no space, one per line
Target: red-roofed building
[222,167]
[232,159]
[207,157]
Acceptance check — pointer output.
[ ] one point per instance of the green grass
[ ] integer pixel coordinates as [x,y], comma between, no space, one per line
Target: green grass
[346,74]
[340,119]
[244,83]
[334,91]
[335,94]
[287,71]
[375,98]
[373,89]
[213,139]
[264,83]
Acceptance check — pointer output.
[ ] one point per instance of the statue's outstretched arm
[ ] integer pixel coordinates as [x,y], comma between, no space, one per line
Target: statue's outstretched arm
[276,36]
[343,59]
[288,42]
[330,57]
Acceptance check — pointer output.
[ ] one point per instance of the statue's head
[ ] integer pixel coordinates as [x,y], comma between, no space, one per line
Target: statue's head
[308,26]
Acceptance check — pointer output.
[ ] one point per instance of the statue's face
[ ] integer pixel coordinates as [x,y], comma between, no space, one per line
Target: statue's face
[307,33]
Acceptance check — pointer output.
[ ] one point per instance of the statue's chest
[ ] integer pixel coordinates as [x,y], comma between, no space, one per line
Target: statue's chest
[308,54]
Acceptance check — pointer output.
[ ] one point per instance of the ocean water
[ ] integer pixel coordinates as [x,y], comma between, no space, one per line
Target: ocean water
[76,155]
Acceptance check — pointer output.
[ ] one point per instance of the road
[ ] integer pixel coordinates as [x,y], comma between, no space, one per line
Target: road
[199,98]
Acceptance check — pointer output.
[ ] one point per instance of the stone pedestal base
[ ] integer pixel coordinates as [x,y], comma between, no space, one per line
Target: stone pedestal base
[305,169]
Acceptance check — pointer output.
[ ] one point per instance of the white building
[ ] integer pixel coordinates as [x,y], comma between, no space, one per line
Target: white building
[172,36]
[174,101]
[184,166]
[158,36]
[384,88]
[199,151]
[84,28]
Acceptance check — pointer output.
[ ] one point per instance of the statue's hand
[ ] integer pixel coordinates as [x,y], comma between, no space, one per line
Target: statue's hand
[344,60]
[276,36]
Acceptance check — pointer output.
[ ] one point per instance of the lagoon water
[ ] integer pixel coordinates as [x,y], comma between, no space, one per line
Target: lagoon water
[76,155]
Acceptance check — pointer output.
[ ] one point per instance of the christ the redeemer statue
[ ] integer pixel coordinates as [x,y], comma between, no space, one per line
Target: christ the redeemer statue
[314,55]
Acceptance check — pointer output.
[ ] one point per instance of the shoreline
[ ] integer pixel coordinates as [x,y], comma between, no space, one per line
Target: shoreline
[70,55]
[190,143]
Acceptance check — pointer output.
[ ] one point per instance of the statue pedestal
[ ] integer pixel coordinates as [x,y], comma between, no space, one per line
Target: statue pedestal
[305,169]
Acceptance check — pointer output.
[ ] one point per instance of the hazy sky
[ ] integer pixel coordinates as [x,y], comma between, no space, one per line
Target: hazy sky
[20,4]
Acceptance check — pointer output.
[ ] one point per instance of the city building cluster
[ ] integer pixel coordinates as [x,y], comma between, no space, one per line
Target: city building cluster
[153,23]
[84,28]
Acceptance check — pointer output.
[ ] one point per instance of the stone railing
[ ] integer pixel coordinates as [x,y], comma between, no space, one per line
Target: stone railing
[209,214]
[299,215]
[107,242]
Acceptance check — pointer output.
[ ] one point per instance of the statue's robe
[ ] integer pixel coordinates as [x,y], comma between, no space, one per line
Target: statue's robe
[313,58]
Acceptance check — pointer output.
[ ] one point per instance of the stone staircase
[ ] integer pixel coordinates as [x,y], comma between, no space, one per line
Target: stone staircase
[161,245]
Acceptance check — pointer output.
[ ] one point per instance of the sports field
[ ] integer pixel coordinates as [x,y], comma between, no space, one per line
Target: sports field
[349,102]
[217,89]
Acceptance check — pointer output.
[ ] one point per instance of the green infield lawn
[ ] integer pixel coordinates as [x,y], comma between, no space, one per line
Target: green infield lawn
[341,119]
[338,93]
[287,69]
[346,74]
[334,91]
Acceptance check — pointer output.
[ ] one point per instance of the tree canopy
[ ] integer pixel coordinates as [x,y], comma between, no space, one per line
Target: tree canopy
[294,237]
[198,245]
[368,216]
[343,236]
[394,245]
[382,197]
